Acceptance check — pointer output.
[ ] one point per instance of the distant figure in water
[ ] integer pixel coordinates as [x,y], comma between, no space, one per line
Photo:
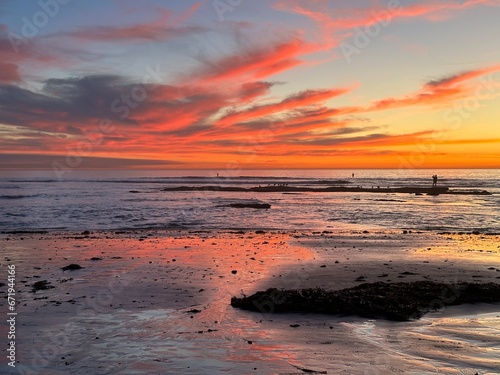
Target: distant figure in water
[434,180]
[353,175]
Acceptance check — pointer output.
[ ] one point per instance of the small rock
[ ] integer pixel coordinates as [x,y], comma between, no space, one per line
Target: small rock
[42,285]
[71,267]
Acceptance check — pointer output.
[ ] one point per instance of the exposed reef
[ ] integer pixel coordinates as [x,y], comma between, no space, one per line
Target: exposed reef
[392,301]
[250,205]
[354,189]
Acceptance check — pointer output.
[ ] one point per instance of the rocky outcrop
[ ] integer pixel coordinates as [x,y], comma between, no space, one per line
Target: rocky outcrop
[392,301]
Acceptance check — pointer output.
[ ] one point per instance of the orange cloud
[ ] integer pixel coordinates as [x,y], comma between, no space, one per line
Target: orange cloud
[305,98]
[292,118]
[469,141]
[252,90]
[370,140]
[257,63]
[437,91]
[455,79]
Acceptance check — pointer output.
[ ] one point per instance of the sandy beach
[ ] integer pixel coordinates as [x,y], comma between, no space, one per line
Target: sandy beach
[157,302]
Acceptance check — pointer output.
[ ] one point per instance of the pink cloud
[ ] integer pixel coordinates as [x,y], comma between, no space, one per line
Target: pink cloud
[9,73]
[337,20]
[165,26]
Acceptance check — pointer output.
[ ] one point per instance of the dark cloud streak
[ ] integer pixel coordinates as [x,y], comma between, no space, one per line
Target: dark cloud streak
[24,161]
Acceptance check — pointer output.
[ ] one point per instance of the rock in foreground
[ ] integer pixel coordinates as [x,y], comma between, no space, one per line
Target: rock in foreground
[393,301]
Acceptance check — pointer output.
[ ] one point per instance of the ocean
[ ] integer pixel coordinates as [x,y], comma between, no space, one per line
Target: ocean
[134,199]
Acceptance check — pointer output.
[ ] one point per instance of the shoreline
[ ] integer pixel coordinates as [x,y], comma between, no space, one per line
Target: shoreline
[168,231]
[170,290]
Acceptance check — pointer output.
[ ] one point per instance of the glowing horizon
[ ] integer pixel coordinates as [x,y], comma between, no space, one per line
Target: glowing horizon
[257,84]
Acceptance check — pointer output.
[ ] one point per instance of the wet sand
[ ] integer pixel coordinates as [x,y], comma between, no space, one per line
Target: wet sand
[156,302]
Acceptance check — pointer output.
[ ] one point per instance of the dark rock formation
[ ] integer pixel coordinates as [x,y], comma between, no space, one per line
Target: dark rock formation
[71,267]
[329,189]
[393,301]
[250,205]
[41,285]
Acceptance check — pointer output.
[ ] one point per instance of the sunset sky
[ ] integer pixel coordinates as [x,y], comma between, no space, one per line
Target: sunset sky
[249,84]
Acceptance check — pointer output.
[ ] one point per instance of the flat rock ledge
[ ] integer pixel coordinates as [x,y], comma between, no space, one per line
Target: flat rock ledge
[264,206]
[393,301]
[419,190]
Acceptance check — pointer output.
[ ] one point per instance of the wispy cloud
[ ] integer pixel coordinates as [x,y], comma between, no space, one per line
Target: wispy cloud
[258,62]
[439,91]
[343,16]
[338,20]
[165,26]
[293,102]
[27,161]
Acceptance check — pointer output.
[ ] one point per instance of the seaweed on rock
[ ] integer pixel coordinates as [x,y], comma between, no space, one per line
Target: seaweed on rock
[392,301]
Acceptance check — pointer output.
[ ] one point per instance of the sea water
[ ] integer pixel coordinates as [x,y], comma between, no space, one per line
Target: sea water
[94,200]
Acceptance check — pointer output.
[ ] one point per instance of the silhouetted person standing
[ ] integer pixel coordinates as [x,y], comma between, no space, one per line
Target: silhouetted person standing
[434,180]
